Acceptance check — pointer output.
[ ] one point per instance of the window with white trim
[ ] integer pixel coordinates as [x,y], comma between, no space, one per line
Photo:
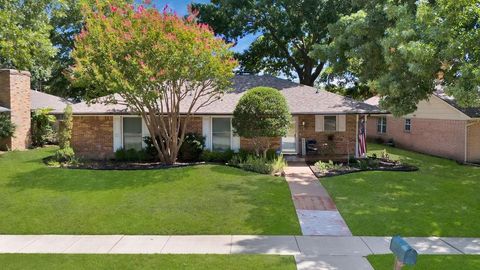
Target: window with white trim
[408,125]
[330,123]
[382,125]
[132,133]
[221,133]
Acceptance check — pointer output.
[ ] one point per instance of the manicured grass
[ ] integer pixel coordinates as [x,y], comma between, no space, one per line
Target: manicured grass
[174,262]
[429,262]
[206,199]
[441,199]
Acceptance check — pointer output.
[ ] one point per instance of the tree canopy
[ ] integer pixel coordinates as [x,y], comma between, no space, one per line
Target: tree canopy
[403,49]
[269,109]
[287,29]
[163,67]
[25,37]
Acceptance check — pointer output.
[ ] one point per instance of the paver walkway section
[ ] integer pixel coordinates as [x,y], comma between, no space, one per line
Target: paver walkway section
[316,210]
[311,252]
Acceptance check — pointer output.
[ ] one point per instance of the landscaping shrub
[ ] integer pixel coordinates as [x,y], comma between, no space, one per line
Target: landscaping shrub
[42,127]
[363,164]
[216,156]
[192,147]
[278,164]
[327,166]
[7,128]
[257,164]
[132,155]
[64,155]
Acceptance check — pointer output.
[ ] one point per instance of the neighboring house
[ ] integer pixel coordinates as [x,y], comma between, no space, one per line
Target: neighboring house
[438,127]
[330,119]
[18,101]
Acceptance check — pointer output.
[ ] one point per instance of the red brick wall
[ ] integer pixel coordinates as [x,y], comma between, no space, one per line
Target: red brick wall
[92,136]
[444,138]
[247,144]
[341,143]
[15,95]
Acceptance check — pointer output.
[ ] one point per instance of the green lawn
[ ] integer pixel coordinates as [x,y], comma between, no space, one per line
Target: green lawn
[174,262]
[207,199]
[429,262]
[441,199]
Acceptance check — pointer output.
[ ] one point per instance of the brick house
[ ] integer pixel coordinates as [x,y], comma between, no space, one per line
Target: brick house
[17,100]
[329,119]
[438,127]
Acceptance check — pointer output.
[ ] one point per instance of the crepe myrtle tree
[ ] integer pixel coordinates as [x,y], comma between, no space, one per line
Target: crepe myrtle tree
[163,67]
[262,113]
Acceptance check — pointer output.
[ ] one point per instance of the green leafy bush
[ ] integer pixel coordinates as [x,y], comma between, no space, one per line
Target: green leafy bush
[7,128]
[257,164]
[216,156]
[64,155]
[192,147]
[42,127]
[327,166]
[66,127]
[363,164]
[132,155]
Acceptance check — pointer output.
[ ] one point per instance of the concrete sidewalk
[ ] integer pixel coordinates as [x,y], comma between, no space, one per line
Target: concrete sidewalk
[311,252]
[316,210]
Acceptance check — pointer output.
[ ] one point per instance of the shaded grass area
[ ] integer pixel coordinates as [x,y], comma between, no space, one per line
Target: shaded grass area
[204,199]
[428,262]
[174,262]
[440,199]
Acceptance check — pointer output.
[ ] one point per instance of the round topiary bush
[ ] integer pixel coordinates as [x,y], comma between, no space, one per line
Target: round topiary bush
[262,113]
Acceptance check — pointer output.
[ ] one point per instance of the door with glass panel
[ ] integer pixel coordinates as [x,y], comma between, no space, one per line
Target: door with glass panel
[289,142]
[221,133]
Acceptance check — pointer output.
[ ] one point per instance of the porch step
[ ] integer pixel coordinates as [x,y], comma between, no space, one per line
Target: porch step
[293,158]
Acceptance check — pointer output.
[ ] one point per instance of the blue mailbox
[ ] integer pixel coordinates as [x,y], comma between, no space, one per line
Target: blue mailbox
[404,253]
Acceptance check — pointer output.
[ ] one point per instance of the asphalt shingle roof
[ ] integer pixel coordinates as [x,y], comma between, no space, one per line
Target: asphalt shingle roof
[40,100]
[301,99]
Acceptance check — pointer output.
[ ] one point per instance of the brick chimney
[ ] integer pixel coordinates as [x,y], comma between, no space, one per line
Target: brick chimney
[15,95]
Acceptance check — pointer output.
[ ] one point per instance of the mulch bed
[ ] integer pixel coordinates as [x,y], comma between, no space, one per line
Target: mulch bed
[383,165]
[124,165]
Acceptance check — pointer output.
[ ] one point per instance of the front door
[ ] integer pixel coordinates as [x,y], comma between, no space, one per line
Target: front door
[289,142]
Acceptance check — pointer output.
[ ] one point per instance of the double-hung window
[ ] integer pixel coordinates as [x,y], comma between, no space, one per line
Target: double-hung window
[330,123]
[408,125]
[132,133]
[382,124]
[221,134]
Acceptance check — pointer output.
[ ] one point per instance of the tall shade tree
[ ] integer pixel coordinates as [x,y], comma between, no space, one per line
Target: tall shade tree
[25,37]
[67,22]
[287,29]
[272,118]
[163,67]
[404,49]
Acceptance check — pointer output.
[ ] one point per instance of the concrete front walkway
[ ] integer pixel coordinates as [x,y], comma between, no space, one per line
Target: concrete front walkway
[311,252]
[316,210]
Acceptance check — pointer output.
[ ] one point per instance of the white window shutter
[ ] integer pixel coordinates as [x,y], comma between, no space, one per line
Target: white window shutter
[206,131]
[235,143]
[117,133]
[319,126]
[341,123]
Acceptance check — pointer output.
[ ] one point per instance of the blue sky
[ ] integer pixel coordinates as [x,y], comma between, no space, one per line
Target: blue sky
[180,6]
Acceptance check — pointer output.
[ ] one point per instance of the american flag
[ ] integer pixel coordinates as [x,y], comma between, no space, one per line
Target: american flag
[362,139]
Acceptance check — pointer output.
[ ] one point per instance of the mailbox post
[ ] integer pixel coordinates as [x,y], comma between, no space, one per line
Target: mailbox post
[403,252]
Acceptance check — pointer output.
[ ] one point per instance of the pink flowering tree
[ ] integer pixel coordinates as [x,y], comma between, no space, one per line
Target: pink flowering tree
[163,67]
